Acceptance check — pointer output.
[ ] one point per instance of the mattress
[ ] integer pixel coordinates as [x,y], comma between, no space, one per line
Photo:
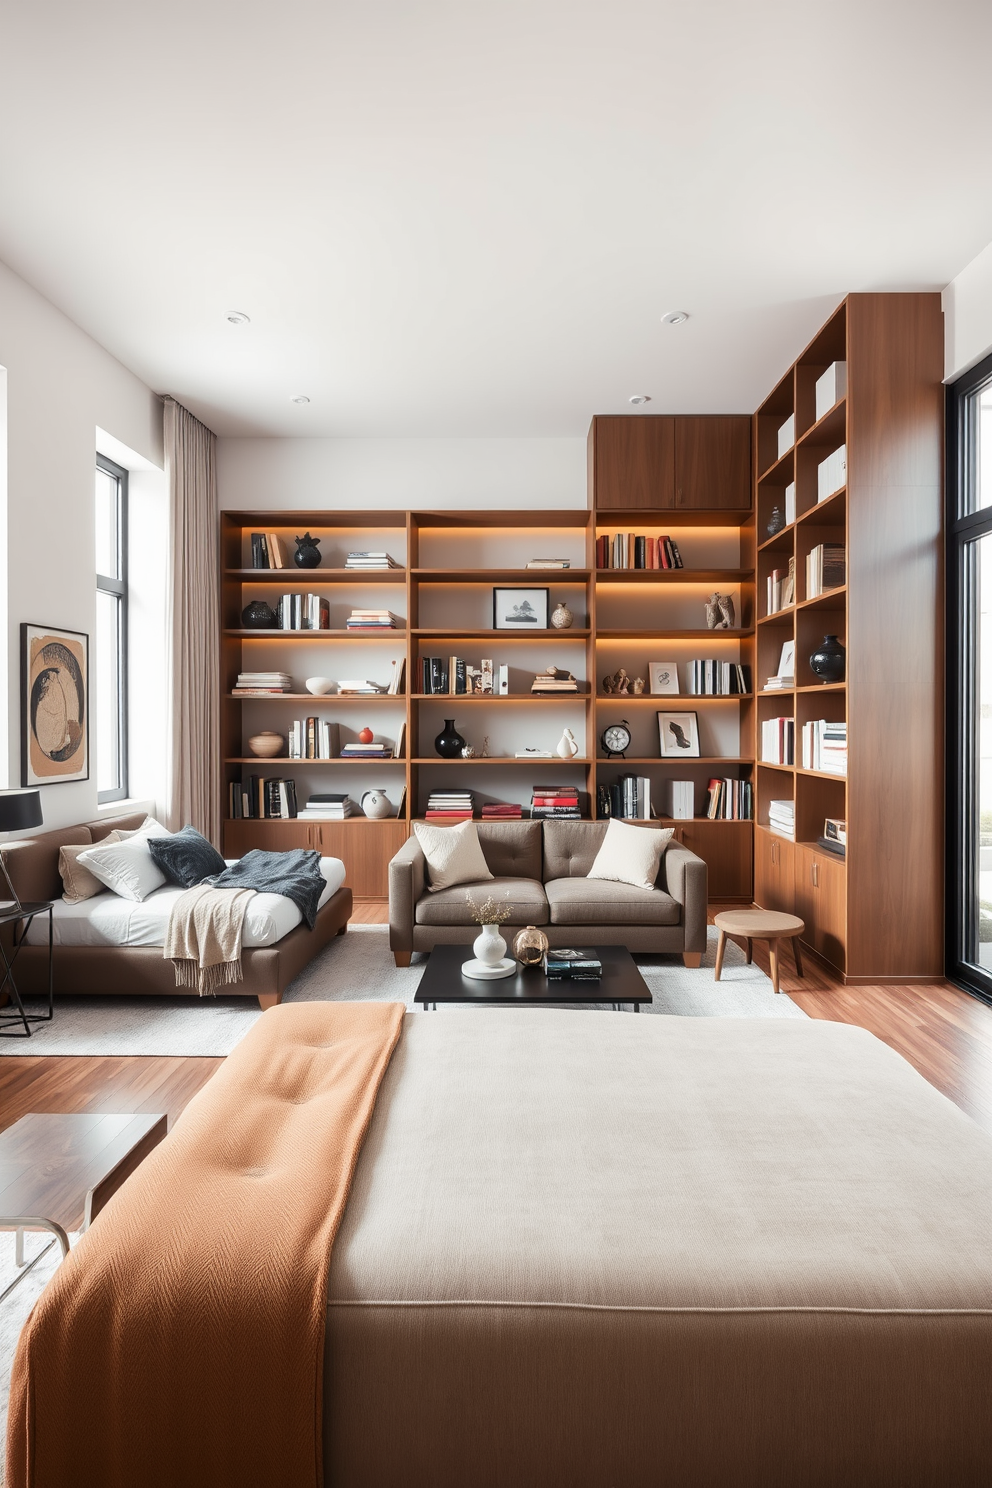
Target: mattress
[598,1249]
[108,920]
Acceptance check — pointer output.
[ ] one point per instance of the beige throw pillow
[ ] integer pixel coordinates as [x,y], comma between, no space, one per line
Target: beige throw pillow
[631,855]
[78,883]
[454,854]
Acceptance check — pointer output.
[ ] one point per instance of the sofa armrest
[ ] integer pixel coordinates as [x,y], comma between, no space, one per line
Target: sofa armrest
[685,878]
[407,882]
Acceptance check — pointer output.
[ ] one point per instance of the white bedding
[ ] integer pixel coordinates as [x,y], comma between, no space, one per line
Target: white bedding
[108,920]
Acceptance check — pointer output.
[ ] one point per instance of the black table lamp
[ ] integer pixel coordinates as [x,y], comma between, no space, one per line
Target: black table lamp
[18,811]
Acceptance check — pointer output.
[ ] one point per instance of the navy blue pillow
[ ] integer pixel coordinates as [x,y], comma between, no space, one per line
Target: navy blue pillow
[186,858]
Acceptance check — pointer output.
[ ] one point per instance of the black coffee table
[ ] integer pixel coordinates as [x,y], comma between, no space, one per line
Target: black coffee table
[442,981]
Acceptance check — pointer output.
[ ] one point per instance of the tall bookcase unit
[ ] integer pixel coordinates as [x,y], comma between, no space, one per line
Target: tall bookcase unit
[877,914]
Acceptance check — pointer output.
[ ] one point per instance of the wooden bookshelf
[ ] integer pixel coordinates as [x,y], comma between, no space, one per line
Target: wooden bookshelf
[877,914]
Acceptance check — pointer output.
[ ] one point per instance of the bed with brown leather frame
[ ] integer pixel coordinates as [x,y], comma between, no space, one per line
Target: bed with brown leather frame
[33,865]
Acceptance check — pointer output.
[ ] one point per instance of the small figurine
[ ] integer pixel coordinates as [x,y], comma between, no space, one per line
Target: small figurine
[608,686]
[622,683]
[567,746]
[727,616]
[713,612]
[638,686]
[485,748]
[468,752]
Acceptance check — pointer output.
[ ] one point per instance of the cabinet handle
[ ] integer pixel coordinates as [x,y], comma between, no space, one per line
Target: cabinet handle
[816,875]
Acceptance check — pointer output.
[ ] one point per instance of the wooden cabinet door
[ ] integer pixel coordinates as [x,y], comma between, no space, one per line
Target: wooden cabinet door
[713,462]
[240,836]
[633,461]
[821,900]
[774,873]
[725,847]
[365,848]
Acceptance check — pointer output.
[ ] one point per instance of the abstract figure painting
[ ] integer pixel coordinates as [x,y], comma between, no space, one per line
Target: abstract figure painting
[55,743]
[678,735]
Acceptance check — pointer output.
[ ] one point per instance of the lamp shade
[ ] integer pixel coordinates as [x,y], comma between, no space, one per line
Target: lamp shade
[20,810]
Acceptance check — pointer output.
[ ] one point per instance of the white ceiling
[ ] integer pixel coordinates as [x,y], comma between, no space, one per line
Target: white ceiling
[446,217]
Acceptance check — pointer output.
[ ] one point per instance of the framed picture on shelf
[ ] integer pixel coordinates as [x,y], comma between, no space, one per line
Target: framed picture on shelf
[55,742]
[520,609]
[678,735]
[663,678]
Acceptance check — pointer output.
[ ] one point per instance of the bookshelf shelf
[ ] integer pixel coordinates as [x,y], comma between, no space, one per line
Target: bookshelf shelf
[472,698]
[313,699]
[575,633]
[666,701]
[553,763]
[315,576]
[524,577]
[740,633]
[778,617]
[384,634]
[780,543]
[656,759]
[828,430]
[673,575]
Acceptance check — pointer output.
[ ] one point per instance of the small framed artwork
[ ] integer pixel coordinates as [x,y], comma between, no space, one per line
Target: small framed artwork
[520,609]
[663,677]
[678,735]
[55,742]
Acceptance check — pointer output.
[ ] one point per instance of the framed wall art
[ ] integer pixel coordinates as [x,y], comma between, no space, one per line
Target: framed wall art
[520,609]
[663,677]
[55,735]
[678,735]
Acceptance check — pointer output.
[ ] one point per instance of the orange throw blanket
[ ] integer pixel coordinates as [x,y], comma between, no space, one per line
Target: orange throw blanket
[181,1343]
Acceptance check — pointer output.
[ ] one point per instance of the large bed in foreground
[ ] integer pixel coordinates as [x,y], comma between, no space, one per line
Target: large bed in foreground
[582,1250]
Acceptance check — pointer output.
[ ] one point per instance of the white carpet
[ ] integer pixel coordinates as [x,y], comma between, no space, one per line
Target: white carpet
[359,967]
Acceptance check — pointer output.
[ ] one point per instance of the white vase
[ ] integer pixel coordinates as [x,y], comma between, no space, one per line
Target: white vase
[567,747]
[490,957]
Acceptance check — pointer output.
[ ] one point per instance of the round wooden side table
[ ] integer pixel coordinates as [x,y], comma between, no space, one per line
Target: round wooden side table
[759,924]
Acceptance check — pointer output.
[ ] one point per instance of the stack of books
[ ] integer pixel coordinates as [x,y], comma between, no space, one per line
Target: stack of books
[781,588]
[629,797]
[729,800]
[629,550]
[501,811]
[449,804]
[778,741]
[370,560]
[356,688]
[328,806]
[371,620]
[303,612]
[782,819]
[263,684]
[313,738]
[826,568]
[554,679]
[718,679]
[555,801]
[266,551]
[367,751]
[549,563]
[265,799]
[825,746]
[574,966]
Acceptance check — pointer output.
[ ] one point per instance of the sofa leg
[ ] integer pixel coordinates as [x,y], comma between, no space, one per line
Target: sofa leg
[269,999]
[402,958]
[692,958]
[342,930]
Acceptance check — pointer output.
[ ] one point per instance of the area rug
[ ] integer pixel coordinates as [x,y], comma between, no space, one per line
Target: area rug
[359,966]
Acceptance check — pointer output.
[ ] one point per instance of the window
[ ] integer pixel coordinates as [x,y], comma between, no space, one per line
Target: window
[110,674]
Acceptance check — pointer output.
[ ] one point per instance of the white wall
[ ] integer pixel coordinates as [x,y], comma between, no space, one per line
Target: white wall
[61,388]
[967,304]
[384,474]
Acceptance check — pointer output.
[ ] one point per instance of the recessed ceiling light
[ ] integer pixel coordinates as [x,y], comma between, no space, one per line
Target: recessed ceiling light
[238,317]
[299,398]
[639,398]
[674,317]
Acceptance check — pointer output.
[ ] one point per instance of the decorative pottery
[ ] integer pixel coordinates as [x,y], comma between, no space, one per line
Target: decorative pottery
[259,616]
[319,686]
[365,736]
[562,618]
[376,805]
[530,945]
[307,553]
[829,660]
[468,752]
[775,522]
[567,747]
[267,745]
[449,742]
[638,687]
[491,961]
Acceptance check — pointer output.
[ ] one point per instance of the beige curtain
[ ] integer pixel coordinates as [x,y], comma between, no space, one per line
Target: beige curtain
[194,624]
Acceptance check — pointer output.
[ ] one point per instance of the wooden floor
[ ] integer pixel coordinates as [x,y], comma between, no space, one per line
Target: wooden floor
[945,1033]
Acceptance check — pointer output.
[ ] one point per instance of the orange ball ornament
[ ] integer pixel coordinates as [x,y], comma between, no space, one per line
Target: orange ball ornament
[365,736]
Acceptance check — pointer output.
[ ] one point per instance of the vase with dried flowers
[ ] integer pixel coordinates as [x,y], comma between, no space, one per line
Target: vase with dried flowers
[491,961]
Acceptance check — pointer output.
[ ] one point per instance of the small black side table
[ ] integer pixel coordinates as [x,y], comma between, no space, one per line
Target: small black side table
[15,914]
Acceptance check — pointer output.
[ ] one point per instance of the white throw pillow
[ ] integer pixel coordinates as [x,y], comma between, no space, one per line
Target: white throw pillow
[454,854]
[127,868]
[631,855]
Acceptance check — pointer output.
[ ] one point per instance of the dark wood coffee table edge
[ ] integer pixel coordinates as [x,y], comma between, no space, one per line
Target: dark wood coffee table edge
[444,960]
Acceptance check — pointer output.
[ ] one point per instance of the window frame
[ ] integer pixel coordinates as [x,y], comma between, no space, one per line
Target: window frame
[118,587]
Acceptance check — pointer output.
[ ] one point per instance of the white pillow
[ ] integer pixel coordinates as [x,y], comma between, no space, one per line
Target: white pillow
[454,854]
[127,868]
[631,855]
[149,828]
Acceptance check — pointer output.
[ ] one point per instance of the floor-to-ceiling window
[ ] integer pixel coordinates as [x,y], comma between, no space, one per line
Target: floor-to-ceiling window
[110,671]
[969,670]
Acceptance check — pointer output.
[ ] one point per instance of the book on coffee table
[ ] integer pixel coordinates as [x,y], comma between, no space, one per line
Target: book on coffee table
[577,965]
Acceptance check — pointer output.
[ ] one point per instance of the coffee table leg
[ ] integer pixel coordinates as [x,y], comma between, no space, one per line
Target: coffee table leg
[773,962]
[750,950]
[798,956]
[720,947]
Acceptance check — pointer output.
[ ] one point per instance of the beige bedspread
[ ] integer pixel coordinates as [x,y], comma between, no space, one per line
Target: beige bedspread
[588,1249]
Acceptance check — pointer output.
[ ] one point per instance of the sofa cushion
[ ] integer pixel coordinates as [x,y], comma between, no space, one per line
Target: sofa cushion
[451,907]
[594,901]
[454,854]
[570,847]
[512,849]
[631,855]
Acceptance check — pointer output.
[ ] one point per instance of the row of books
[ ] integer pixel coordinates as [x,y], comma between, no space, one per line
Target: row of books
[825,746]
[629,796]
[713,678]
[460,804]
[267,798]
[371,620]
[263,684]
[826,568]
[302,612]
[266,551]
[781,588]
[567,964]
[370,560]
[782,818]
[554,802]
[631,550]
[778,741]
[729,800]
[454,677]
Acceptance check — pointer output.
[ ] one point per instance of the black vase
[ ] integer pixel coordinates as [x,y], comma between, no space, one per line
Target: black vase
[258,616]
[307,553]
[449,742]
[775,522]
[829,660]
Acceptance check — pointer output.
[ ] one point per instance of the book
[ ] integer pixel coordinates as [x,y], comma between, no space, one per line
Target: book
[276,558]
[549,563]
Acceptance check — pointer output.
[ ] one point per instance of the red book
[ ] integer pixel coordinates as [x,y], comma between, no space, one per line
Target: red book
[555,801]
[663,553]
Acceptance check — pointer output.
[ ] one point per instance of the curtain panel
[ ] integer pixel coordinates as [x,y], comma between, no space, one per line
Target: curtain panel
[194,624]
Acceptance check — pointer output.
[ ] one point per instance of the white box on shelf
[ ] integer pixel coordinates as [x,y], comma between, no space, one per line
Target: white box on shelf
[830,388]
[790,503]
[831,473]
[504,681]
[683,800]
[787,435]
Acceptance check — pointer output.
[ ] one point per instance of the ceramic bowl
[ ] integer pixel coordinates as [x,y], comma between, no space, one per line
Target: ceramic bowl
[267,745]
[319,686]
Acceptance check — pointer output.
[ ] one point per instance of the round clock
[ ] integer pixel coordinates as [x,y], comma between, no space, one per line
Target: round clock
[616,738]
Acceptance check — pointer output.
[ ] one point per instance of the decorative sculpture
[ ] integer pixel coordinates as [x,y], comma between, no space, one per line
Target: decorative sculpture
[638,686]
[720,612]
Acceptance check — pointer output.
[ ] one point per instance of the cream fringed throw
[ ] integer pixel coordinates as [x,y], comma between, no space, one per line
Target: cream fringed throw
[203,940]
[181,1342]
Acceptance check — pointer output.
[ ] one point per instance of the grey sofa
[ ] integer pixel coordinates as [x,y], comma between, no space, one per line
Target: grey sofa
[543,868]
